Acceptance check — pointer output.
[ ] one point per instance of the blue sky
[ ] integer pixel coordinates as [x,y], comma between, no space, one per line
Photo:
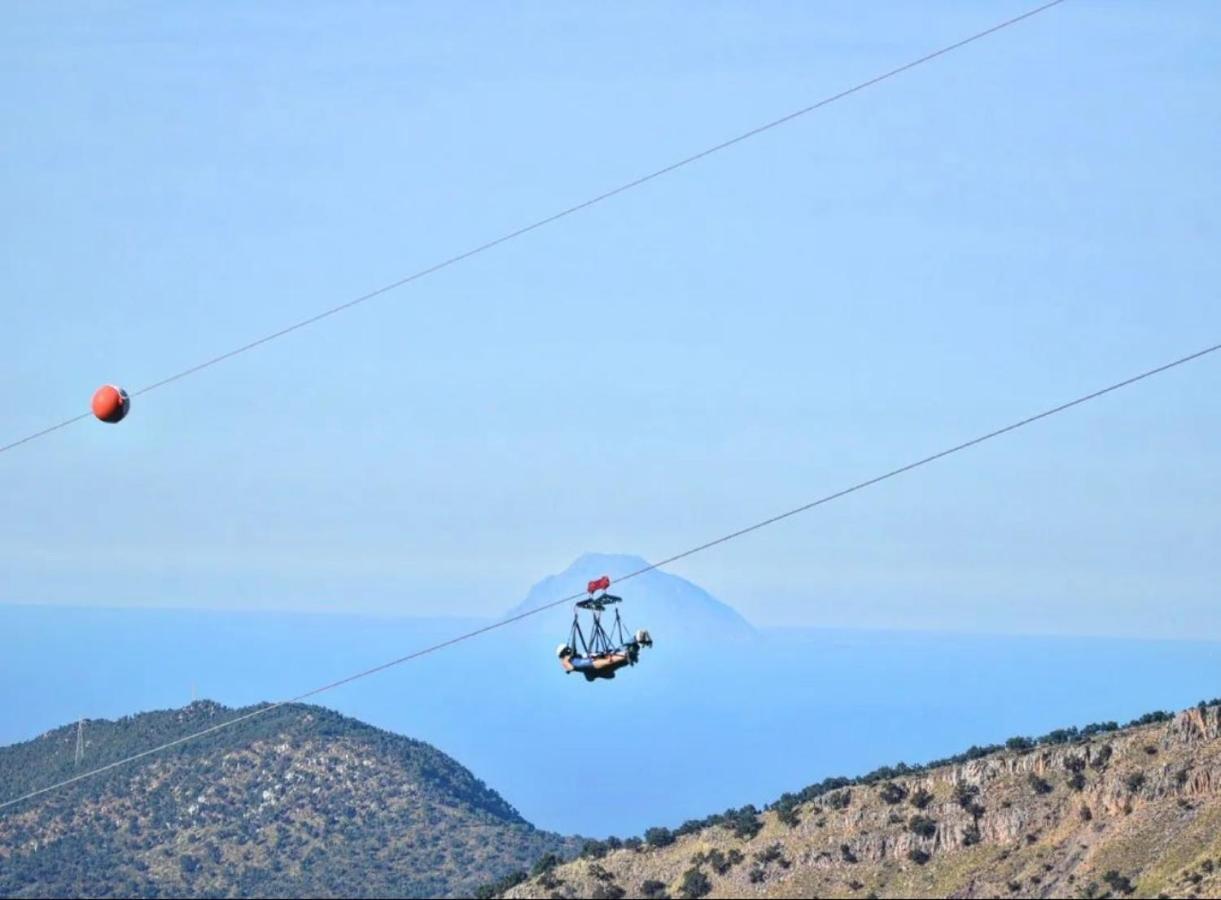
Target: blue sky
[1025,220]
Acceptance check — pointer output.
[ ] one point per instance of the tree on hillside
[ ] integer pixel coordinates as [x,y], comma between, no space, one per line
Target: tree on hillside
[658,837]
[695,884]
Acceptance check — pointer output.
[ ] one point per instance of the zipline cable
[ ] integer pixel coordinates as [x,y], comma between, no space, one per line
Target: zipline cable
[593,201]
[1021,423]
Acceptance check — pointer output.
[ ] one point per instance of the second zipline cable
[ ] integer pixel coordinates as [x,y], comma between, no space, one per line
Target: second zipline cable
[554,217]
[764,523]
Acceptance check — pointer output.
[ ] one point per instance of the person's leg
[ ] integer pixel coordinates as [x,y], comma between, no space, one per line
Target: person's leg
[610,661]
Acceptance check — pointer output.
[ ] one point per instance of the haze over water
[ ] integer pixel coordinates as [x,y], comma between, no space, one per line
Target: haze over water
[713,717]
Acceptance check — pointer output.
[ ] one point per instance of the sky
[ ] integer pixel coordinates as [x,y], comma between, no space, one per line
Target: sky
[1027,219]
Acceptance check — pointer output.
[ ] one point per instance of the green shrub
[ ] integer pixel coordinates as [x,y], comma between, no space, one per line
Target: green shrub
[772,853]
[1121,884]
[1059,736]
[892,793]
[653,890]
[659,837]
[1074,764]
[720,862]
[1151,718]
[695,884]
[786,810]
[500,885]
[744,822]
[593,849]
[1038,785]
[544,864]
[922,826]
[964,794]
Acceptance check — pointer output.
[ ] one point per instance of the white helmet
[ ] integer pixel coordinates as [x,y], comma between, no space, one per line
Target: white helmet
[563,650]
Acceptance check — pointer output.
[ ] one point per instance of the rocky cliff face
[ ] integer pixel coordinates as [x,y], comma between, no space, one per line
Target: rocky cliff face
[1135,811]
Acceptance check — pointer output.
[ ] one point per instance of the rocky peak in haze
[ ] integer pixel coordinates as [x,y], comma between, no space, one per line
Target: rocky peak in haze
[668,605]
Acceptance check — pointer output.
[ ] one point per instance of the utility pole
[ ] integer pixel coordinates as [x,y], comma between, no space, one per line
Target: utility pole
[80,741]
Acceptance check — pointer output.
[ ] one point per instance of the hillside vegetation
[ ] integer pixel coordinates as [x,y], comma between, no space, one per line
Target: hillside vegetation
[297,802]
[1096,812]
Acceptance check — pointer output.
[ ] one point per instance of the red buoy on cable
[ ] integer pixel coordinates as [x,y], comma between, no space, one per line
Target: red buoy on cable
[110,403]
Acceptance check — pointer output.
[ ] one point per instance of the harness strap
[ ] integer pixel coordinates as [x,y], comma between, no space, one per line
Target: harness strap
[576,638]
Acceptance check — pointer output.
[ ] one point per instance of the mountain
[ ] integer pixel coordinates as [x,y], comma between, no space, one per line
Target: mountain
[779,709]
[1093,812]
[299,801]
[675,611]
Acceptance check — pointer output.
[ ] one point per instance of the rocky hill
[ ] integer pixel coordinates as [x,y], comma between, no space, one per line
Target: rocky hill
[298,802]
[1095,812]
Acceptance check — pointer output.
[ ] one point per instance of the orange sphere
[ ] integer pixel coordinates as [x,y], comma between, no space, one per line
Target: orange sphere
[110,403]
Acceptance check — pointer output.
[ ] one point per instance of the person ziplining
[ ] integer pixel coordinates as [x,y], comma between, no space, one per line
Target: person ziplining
[605,652]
